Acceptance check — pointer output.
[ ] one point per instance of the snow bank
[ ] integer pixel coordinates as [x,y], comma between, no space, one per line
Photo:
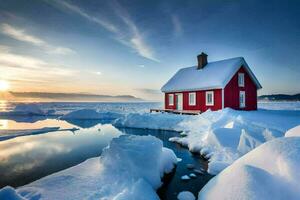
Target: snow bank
[9,193]
[270,171]
[162,121]
[293,132]
[185,195]
[131,167]
[23,109]
[86,114]
[222,136]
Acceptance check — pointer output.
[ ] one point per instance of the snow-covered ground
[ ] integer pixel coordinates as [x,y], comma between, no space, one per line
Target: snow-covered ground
[282,105]
[222,136]
[254,147]
[131,167]
[270,171]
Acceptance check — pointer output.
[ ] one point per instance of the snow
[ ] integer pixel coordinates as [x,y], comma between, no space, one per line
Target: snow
[186,195]
[271,171]
[221,136]
[8,193]
[293,132]
[85,114]
[213,75]
[279,105]
[162,121]
[192,175]
[23,109]
[185,178]
[131,167]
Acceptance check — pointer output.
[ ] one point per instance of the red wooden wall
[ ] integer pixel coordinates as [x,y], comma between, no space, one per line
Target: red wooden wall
[200,100]
[232,92]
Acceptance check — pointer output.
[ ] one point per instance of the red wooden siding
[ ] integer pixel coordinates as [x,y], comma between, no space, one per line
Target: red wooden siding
[200,100]
[232,92]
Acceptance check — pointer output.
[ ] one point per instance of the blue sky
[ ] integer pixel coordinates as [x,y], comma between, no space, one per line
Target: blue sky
[134,47]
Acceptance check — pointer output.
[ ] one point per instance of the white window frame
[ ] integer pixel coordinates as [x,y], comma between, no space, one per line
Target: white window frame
[241,79]
[171,96]
[244,100]
[192,98]
[212,98]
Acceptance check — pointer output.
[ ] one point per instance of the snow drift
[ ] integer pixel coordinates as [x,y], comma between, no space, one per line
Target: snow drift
[221,136]
[161,121]
[24,109]
[293,132]
[270,171]
[131,167]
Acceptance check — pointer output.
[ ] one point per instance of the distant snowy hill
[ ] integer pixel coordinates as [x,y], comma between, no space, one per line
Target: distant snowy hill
[46,96]
[280,97]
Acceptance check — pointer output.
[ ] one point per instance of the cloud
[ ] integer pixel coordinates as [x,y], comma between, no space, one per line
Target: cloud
[177,25]
[137,40]
[129,35]
[17,64]
[71,7]
[149,91]
[61,51]
[22,35]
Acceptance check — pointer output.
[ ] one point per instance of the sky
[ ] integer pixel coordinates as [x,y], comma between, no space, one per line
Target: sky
[133,47]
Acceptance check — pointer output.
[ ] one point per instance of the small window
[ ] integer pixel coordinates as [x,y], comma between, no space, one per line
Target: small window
[241,79]
[171,99]
[242,99]
[209,95]
[192,98]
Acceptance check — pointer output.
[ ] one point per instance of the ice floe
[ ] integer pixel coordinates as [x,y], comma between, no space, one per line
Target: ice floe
[131,167]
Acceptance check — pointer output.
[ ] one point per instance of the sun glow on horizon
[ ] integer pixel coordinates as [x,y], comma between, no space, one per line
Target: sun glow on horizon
[4,85]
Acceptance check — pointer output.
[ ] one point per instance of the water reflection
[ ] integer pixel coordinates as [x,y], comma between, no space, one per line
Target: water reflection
[14,124]
[87,123]
[24,159]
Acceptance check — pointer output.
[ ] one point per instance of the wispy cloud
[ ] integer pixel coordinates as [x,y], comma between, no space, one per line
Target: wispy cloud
[21,35]
[24,36]
[71,7]
[178,31]
[16,64]
[129,35]
[136,38]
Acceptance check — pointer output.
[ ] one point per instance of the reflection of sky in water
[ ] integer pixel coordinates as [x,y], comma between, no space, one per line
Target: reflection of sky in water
[28,158]
[12,124]
[24,159]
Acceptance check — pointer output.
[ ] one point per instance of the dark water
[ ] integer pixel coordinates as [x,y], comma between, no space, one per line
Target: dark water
[28,158]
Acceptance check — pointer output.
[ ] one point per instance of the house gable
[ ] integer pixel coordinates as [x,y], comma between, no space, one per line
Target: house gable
[232,91]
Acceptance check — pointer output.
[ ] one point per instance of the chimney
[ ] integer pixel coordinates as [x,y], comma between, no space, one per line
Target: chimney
[202,60]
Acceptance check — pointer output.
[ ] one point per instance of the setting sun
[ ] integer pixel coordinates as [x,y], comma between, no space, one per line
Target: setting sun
[4,85]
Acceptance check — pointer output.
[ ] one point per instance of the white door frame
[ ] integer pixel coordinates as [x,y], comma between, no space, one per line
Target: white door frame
[179,101]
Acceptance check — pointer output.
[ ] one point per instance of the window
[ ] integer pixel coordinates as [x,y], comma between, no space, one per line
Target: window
[242,99]
[192,98]
[241,79]
[171,99]
[209,96]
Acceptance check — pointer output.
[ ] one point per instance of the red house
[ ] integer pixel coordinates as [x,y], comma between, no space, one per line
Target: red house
[213,85]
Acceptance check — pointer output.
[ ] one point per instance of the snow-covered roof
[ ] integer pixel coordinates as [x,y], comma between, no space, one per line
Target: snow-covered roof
[214,75]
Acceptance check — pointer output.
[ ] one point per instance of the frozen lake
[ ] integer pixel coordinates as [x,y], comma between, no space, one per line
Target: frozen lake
[28,158]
